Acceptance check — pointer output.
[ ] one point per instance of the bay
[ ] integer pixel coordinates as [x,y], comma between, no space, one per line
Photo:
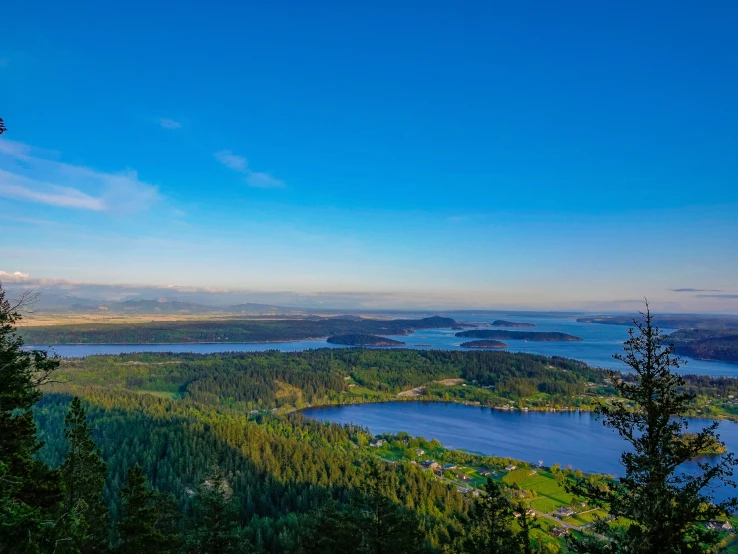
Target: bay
[576,440]
[599,343]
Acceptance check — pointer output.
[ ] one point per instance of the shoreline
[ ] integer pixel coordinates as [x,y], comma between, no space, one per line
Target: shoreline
[420,399]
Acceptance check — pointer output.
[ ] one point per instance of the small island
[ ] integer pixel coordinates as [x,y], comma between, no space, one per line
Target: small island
[483,344]
[505,323]
[358,339]
[517,335]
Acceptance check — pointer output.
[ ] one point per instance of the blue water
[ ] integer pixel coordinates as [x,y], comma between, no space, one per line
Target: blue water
[571,439]
[600,342]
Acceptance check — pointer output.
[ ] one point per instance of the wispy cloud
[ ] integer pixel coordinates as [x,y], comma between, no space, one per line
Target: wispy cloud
[716,295]
[232,161]
[240,164]
[169,123]
[263,181]
[18,187]
[694,290]
[31,175]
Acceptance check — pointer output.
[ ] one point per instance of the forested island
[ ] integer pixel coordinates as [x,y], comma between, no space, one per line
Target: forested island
[483,344]
[224,331]
[517,335]
[677,321]
[707,344]
[505,323]
[363,340]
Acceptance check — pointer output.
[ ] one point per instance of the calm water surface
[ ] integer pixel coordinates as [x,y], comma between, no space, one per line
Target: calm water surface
[571,439]
[600,342]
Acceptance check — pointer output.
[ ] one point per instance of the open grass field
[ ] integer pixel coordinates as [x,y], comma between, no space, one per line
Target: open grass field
[550,495]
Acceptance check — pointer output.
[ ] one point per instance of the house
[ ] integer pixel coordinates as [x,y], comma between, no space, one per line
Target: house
[449,466]
[564,511]
[559,531]
[484,473]
[463,476]
[528,512]
[719,526]
[511,467]
[431,464]
[377,443]
[420,451]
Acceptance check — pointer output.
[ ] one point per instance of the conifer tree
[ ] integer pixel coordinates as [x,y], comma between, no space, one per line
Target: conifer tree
[83,473]
[383,525]
[526,523]
[491,524]
[332,532]
[214,525]
[148,520]
[29,490]
[665,508]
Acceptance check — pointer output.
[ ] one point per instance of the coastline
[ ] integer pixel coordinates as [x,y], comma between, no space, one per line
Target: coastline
[523,410]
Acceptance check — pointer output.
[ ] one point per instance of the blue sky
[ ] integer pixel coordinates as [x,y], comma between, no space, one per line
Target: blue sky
[553,155]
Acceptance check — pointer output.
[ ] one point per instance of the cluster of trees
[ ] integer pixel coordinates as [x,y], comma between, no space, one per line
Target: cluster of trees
[265,380]
[707,344]
[246,330]
[129,472]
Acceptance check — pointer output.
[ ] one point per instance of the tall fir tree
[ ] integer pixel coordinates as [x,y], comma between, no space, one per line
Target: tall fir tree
[490,529]
[526,523]
[383,525]
[214,525]
[29,490]
[83,473]
[665,507]
[331,531]
[148,520]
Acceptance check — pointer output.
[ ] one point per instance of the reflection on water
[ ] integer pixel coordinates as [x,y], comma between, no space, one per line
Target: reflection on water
[575,439]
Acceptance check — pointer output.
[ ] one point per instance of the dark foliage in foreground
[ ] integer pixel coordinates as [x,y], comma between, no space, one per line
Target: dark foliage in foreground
[665,509]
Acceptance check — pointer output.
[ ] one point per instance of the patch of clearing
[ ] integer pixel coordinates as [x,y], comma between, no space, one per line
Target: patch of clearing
[285,390]
[417,391]
[449,382]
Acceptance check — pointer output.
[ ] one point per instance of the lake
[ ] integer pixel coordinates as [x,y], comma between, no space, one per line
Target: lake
[600,342]
[575,439]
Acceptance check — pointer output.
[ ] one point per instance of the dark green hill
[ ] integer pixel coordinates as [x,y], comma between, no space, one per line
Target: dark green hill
[244,330]
[707,344]
[517,335]
[363,340]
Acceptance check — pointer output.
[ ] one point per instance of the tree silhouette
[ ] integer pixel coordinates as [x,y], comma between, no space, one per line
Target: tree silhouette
[666,508]
[83,472]
[29,490]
